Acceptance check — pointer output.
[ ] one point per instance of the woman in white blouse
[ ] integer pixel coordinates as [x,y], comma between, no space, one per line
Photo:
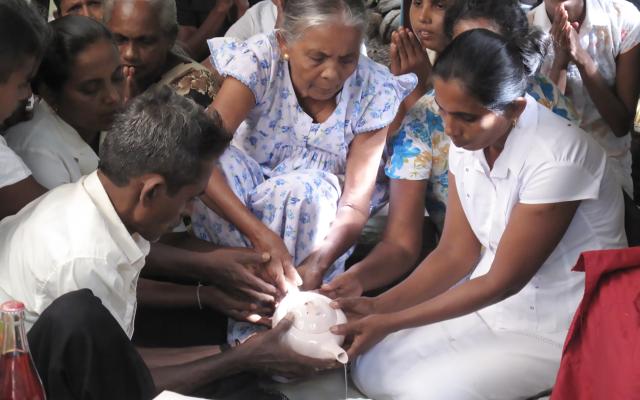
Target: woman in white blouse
[80,82]
[528,193]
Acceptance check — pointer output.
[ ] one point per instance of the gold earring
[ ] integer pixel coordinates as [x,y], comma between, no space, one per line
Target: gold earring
[286,56]
[513,123]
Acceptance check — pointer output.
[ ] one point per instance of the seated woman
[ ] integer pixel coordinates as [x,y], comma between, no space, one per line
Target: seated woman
[595,61]
[145,32]
[529,192]
[80,83]
[418,165]
[309,115]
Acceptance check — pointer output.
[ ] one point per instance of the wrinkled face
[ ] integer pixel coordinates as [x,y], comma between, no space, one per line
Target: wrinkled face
[466,121]
[463,25]
[165,211]
[322,59]
[93,93]
[575,9]
[427,23]
[88,8]
[17,88]
[141,41]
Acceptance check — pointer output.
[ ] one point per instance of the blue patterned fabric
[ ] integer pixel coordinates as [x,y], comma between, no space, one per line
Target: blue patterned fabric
[287,169]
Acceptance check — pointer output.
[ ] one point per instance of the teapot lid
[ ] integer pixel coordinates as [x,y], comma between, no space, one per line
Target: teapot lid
[312,312]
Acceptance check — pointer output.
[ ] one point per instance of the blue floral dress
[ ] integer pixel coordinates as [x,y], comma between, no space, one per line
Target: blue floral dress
[287,169]
[420,149]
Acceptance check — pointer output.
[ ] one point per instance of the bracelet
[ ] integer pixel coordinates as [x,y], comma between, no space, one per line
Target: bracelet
[198,294]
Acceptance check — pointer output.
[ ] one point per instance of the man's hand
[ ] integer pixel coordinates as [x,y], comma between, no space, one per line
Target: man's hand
[234,270]
[130,85]
[269,354]
[343,285]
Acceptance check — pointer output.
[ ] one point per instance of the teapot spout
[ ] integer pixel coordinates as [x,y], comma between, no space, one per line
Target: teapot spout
[336,352]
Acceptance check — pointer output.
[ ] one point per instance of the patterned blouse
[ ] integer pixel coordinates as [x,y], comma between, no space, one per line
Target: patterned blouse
[278,134]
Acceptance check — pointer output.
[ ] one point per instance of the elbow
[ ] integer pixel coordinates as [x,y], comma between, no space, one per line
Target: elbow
[500,289]
[621,130]
[624,124]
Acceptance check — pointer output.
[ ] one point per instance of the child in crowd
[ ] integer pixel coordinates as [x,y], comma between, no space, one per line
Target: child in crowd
[23,39]
[595,60]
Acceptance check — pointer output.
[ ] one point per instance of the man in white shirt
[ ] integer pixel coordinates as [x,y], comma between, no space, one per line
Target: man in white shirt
[74,256]
[23,37]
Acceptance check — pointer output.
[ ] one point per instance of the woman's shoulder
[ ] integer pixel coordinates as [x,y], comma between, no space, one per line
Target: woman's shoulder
[35,132]
[557,140]
[375,81]
[264,46]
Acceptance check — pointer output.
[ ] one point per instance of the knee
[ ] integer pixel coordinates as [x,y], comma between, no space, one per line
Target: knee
[313,189]
[75,313]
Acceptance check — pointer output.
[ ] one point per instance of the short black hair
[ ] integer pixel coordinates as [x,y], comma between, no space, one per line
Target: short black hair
[164,133]
[507,15]
[70,36]
[23,34]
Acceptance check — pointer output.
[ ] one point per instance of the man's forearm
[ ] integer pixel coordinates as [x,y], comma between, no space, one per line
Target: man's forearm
[189,377]
[174,262]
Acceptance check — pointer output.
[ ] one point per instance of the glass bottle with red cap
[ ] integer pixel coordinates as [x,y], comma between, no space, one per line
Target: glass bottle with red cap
[18,376]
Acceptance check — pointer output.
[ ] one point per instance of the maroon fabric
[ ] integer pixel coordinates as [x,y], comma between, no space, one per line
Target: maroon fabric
[601,356]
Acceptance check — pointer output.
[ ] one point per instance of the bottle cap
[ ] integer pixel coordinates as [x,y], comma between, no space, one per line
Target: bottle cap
[12,306]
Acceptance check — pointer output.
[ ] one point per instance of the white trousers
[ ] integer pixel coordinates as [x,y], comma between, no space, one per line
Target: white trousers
[459,359]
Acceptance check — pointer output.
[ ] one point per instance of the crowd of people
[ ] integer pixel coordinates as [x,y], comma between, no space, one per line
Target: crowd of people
[214,156]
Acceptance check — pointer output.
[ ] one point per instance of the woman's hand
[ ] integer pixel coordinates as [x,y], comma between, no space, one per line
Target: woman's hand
[312,271]
[344,285]
[407,55]
[279,270]
[566,44]
[232,306]
[365,332]
[356,307]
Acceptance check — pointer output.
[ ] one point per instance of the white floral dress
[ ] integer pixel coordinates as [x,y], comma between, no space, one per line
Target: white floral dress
[287,169]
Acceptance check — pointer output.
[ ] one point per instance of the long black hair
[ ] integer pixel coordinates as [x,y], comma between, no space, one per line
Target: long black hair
[23,34]
[492,68]
[71,35]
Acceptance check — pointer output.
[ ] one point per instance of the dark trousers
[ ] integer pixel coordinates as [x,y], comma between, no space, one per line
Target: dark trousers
[81,352]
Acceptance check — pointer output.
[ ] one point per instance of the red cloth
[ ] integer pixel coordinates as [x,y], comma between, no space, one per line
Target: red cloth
[601,356]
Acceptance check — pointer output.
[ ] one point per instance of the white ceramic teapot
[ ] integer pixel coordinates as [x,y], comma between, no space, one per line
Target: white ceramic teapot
[313,316]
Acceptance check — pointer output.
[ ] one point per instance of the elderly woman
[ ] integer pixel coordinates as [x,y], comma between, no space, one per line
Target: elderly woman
[145,32]
[529,191]
[80,83]
[309,115]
